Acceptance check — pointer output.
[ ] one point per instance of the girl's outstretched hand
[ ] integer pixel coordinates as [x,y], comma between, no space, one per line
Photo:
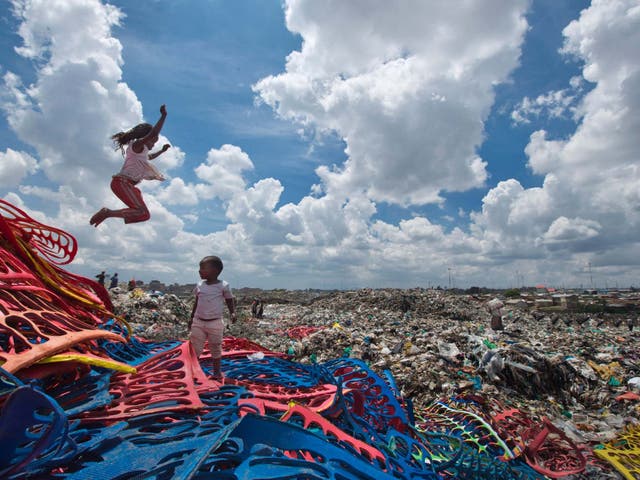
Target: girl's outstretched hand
[163,109]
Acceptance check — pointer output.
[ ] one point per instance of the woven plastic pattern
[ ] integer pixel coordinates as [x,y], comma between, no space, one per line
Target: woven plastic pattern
[30,423]
[274,381]
[158,445]
[37,319]
[265,448]
[43,248]
[134,351]
[168,381]
[79,418]
[174,452]
[274,370]
[79,391]
[308,420]
[624,452]
[469,426]
[370,396]
[455,459]
[35,325]
[547,449]
[54,244]
[482,453]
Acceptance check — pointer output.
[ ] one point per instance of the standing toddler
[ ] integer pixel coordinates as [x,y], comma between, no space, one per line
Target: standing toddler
[206,318]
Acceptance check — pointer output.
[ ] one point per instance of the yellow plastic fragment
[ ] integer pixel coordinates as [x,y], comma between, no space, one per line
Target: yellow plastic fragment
[624,452]
[90,360]
[614,369]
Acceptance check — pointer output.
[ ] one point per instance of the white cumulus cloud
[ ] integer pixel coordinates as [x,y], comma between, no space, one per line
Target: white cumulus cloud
[15,166]
[410,105]
[393,93]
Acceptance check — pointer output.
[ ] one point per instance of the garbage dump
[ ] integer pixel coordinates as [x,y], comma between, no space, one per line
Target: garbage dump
[351,385]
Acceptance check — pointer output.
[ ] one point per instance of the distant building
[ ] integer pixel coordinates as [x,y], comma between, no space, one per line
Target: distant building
[516,303]
[565,301]
[541,288]
[544,302]
[156,285]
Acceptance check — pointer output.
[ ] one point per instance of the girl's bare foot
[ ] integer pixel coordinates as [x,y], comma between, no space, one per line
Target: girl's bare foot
[99,217]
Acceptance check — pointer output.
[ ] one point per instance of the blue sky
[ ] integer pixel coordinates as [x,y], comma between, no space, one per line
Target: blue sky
[334,144]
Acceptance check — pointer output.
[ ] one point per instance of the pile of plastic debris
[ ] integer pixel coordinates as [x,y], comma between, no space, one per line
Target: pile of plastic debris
[81,396]
[581,376]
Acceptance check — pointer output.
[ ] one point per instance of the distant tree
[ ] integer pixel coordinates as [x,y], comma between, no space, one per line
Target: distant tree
[512,293]
[473,290]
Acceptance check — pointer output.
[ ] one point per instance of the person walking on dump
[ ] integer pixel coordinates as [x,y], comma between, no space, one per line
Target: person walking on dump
[114,281]
[495,309]
[206,317]
[139,140]
[257,308]
[101,277]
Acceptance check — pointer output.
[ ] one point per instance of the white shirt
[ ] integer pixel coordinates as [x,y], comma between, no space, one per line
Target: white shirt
[211,299]
[137,166]
[495,306]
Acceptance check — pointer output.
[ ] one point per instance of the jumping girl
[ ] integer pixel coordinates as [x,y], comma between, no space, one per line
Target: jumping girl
[139,140]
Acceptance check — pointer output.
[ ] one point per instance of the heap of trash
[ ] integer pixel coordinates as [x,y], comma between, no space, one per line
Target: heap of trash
[371,384]
[582,372]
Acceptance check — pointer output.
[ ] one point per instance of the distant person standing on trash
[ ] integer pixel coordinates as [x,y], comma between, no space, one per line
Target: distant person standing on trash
[206,317]
[101,276]
[495,309]
[257,308]
[114,281]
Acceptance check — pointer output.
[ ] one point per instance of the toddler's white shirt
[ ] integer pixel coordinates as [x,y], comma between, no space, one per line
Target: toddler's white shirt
[211,299]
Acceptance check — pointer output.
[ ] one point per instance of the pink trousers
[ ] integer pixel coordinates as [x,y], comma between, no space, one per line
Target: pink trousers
[126,190]
[211,331]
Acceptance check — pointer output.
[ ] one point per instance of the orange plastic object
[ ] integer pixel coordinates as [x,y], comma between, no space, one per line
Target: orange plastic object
[41,248]
[259,406]
[318,398]
[53,340]
[624,452]
[54,244]
[302,331]
[551,452]
[36,323]
[547,449]
[43,309]
[241,347]
[628,396]
[166,382]
[312,419]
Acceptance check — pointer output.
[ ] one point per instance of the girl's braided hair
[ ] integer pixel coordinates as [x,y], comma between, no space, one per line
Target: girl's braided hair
[123,138]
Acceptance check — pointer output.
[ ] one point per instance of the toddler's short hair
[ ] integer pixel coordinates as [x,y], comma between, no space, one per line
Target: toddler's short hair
[213,260]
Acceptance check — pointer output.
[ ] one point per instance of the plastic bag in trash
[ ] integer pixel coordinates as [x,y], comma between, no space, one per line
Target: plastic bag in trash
[634,383]
[256,356]
[449,351]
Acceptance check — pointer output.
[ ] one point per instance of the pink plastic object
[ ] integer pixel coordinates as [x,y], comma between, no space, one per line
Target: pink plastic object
[167,382]
[312,419]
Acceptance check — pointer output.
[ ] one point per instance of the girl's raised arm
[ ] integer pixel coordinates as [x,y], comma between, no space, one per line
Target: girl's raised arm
[137,145]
